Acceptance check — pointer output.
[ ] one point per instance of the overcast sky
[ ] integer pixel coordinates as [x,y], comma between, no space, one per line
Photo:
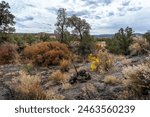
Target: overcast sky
[104,16]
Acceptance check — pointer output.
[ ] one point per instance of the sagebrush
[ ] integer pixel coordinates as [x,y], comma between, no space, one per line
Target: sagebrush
[137,79]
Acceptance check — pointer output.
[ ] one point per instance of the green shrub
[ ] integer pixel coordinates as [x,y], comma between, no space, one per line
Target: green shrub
[120,43]
[44,37]
[30,39]
[86,45]
[4,37]
[113,46]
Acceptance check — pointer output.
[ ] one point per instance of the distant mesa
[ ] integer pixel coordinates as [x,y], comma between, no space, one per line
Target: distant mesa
[148,31]
[52,35]
[111,35]
[104,36]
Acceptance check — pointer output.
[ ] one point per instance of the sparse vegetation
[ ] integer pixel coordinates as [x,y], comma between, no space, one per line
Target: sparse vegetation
[27,87]
[71,63]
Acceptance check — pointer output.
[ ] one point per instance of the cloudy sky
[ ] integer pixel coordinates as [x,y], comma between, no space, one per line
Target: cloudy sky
[104,16]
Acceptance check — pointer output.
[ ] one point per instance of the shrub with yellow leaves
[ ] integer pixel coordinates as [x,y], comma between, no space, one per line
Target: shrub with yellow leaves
[94,61]
[101,62]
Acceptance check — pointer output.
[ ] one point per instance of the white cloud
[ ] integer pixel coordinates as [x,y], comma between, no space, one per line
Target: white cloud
[36,15]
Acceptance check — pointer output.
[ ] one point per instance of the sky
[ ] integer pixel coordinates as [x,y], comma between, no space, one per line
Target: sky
[104,16]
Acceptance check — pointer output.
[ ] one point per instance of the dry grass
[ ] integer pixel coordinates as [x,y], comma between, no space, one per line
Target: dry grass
[88,92]
[111,80]
[64,65]
[126,62]
[58,77]
[27,87]
[89,87]
[126,95]
[66,85]
[122,59]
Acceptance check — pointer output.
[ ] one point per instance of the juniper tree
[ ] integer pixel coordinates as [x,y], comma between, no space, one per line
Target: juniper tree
[6,18]
[61,23]
[6,21]
[124,39]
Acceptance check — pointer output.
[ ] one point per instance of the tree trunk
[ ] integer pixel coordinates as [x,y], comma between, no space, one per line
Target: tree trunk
[62,34]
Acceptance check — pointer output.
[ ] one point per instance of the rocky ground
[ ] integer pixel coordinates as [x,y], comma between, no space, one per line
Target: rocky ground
[7,72]
[95,88]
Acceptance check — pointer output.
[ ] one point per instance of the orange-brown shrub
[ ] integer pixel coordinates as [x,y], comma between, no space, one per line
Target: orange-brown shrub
[8,53]
[47,53]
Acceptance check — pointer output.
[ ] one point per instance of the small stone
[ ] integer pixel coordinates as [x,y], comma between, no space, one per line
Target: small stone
[43,72]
